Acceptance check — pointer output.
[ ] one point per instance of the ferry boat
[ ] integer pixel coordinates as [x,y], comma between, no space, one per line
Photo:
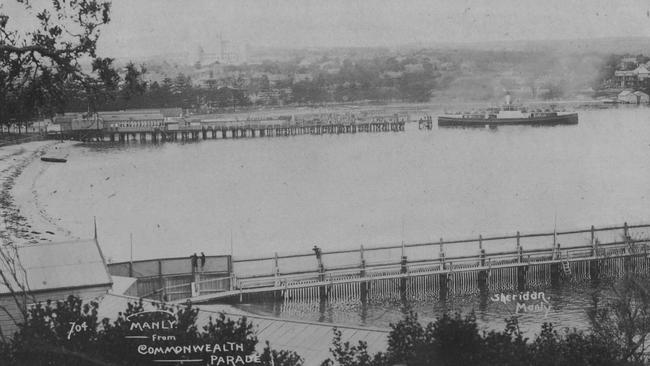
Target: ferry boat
[508,115]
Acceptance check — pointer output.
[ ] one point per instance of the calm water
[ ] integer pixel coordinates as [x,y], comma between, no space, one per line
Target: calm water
[567,308]
[258,196]
[340,191]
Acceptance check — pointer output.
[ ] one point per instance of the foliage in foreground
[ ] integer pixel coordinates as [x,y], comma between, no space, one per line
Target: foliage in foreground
[455,340]
[45,337]
[618,336]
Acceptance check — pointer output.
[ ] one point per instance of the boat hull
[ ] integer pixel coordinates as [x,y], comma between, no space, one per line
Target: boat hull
[565,119]
[53,160]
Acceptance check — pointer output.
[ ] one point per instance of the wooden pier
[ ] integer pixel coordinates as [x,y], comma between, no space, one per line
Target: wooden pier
[166,279]
[206,130]
[442,269]
[417,271]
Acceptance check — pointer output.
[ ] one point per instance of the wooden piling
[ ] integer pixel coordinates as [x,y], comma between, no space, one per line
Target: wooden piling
[594,264]
[555,274]
[363,286]
[161,282]
[402,281]
[522,272]
[482,274]
[443,277]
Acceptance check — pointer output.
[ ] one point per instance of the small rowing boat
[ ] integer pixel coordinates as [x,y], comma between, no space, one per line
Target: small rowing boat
[53,160]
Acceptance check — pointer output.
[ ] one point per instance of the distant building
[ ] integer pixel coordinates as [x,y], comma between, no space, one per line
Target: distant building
[50,271]
[65,121]
[301,77]
[222,51]
[131,119]
[633,97]
[639,77]
[628,62]
[625,78]
[641,97]
[275,79]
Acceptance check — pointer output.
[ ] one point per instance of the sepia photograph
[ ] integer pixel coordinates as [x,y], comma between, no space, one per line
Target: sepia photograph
[324,183]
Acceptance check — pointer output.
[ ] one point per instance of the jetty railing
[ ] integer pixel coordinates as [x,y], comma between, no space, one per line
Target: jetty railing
[172,278]
[470,248]
[464,265]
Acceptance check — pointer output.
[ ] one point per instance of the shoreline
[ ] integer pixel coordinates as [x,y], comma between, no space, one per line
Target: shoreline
[23,219]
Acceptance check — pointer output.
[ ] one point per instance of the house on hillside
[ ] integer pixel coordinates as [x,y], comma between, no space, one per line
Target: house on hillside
[49,271]
[638,77]
[628,62]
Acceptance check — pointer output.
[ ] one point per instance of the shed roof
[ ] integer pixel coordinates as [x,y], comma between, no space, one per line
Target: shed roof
[51,266]
[122,284]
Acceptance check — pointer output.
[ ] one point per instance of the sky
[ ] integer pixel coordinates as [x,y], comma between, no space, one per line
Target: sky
[150,27]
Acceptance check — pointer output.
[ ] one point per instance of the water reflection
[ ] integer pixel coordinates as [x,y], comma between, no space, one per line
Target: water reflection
[565,306]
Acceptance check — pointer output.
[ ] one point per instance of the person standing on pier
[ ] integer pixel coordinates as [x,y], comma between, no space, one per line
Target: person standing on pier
[194,258]
[202,261]
[318,253]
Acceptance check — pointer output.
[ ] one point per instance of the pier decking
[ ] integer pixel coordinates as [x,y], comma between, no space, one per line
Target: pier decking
[431,270]
[206,129]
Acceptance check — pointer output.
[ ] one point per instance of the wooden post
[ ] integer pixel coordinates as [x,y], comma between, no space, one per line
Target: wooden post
[131,255]
[593,242]
[322,289]
[554,242]
[627,261]
[402,280]
[518,245]
[161,282]
[363,285]
[277,294]
[276,272]
[197,282]
[443,277]
[522,271]
[594,264]
[441,254]
[482,274]
[556,266]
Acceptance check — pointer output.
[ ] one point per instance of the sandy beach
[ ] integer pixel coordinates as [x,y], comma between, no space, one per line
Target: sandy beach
[23,217]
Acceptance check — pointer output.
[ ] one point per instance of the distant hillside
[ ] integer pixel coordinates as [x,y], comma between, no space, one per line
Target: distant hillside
[619,45]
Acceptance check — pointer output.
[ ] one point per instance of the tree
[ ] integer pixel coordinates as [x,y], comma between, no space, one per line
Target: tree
[46,338]
[40,67]
[624,320]
[133,85]
[618,336]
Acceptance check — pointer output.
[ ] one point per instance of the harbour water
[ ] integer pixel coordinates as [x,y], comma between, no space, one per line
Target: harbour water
[258,196]
[564,307]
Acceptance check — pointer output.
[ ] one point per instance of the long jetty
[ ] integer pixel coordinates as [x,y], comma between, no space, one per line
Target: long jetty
[422,270]
[196,129]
